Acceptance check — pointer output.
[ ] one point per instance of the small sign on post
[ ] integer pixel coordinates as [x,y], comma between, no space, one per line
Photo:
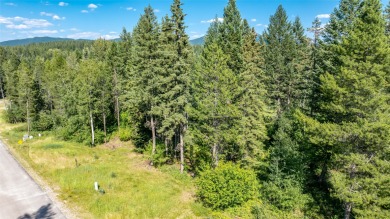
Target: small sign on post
[96,186]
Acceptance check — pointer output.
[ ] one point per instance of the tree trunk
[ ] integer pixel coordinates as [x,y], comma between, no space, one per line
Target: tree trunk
[1,89]
[28,118]
[347,210]
[153,126]
[117,111]
[181,151]
[166,146]
[105,127]
[92,129]
[215,154]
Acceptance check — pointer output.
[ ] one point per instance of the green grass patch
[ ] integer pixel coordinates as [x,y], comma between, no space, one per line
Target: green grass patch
[52,146]
[132,188]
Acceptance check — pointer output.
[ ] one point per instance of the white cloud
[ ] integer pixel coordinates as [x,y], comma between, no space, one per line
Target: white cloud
[213,20]
[156,10]
[46,14]
[323,16]
[23,23]
[54,16]
[74,29]
[109,37]
[113,32]
[84,35]
[62,4]
[93,35]
[62,30]
[261,25]
[44,32]
[253,20]
[92,6]
[17,26]
[131,9]
[10,4]
[4,20]
[196,36]
[84,11]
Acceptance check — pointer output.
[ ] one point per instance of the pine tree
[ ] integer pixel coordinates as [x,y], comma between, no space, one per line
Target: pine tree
[116,65]
[279,47]
[231,36]
[26,92]
[301,65]
[216,114]
[340,23]
[356,103]
[2,75]
[180,74]
[213,34]
[145,39]
[167,58]
[387,17]
[315,68]
[252,102]
[10,66]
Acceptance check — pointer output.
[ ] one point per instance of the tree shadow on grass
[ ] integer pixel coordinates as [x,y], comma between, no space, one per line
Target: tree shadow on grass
[44,212]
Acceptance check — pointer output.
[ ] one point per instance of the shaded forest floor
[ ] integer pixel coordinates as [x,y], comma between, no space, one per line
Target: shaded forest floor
[132,189]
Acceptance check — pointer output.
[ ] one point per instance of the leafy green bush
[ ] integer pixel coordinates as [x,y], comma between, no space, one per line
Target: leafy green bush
[160,157]
[226,186]
[285,195]
[43,122]
[125,133]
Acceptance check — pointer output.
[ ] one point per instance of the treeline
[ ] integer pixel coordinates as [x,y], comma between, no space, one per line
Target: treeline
[310,117]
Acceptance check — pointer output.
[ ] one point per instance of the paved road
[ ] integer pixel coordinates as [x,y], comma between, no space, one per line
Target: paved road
[20,196]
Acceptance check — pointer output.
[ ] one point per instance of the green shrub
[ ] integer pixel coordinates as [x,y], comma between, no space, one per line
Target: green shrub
[226,186]
[125,133]
[285,195]
[160,157]
[43,122]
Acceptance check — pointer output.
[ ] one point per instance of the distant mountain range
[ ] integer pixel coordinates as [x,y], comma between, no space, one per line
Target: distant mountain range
[20,42]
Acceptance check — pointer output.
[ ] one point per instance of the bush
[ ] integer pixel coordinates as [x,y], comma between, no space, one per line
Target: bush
[125,133]
[285,195]
[226,186]
[43,122]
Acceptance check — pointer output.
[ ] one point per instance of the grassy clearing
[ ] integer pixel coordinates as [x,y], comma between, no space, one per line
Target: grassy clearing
[132,188]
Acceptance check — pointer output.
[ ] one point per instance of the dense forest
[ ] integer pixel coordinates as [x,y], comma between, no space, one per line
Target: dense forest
[300,125]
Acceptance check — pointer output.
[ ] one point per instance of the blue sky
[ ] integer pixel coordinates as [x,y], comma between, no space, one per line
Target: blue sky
[93,18]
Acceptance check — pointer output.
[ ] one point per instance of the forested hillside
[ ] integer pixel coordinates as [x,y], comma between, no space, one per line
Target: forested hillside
[297,127]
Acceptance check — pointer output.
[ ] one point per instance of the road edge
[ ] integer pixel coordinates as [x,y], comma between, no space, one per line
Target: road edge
[65,210]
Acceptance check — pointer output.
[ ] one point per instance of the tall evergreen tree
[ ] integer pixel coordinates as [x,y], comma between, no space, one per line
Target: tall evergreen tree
[10,66]
[26,92]
[301,66]
[180,73]
[387,17]
[2,75]
[279,46]
[252,102]
[357,105]
[315,68]
[340,23]
[231,36]
[167,58]
[145,39]
[216,113]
